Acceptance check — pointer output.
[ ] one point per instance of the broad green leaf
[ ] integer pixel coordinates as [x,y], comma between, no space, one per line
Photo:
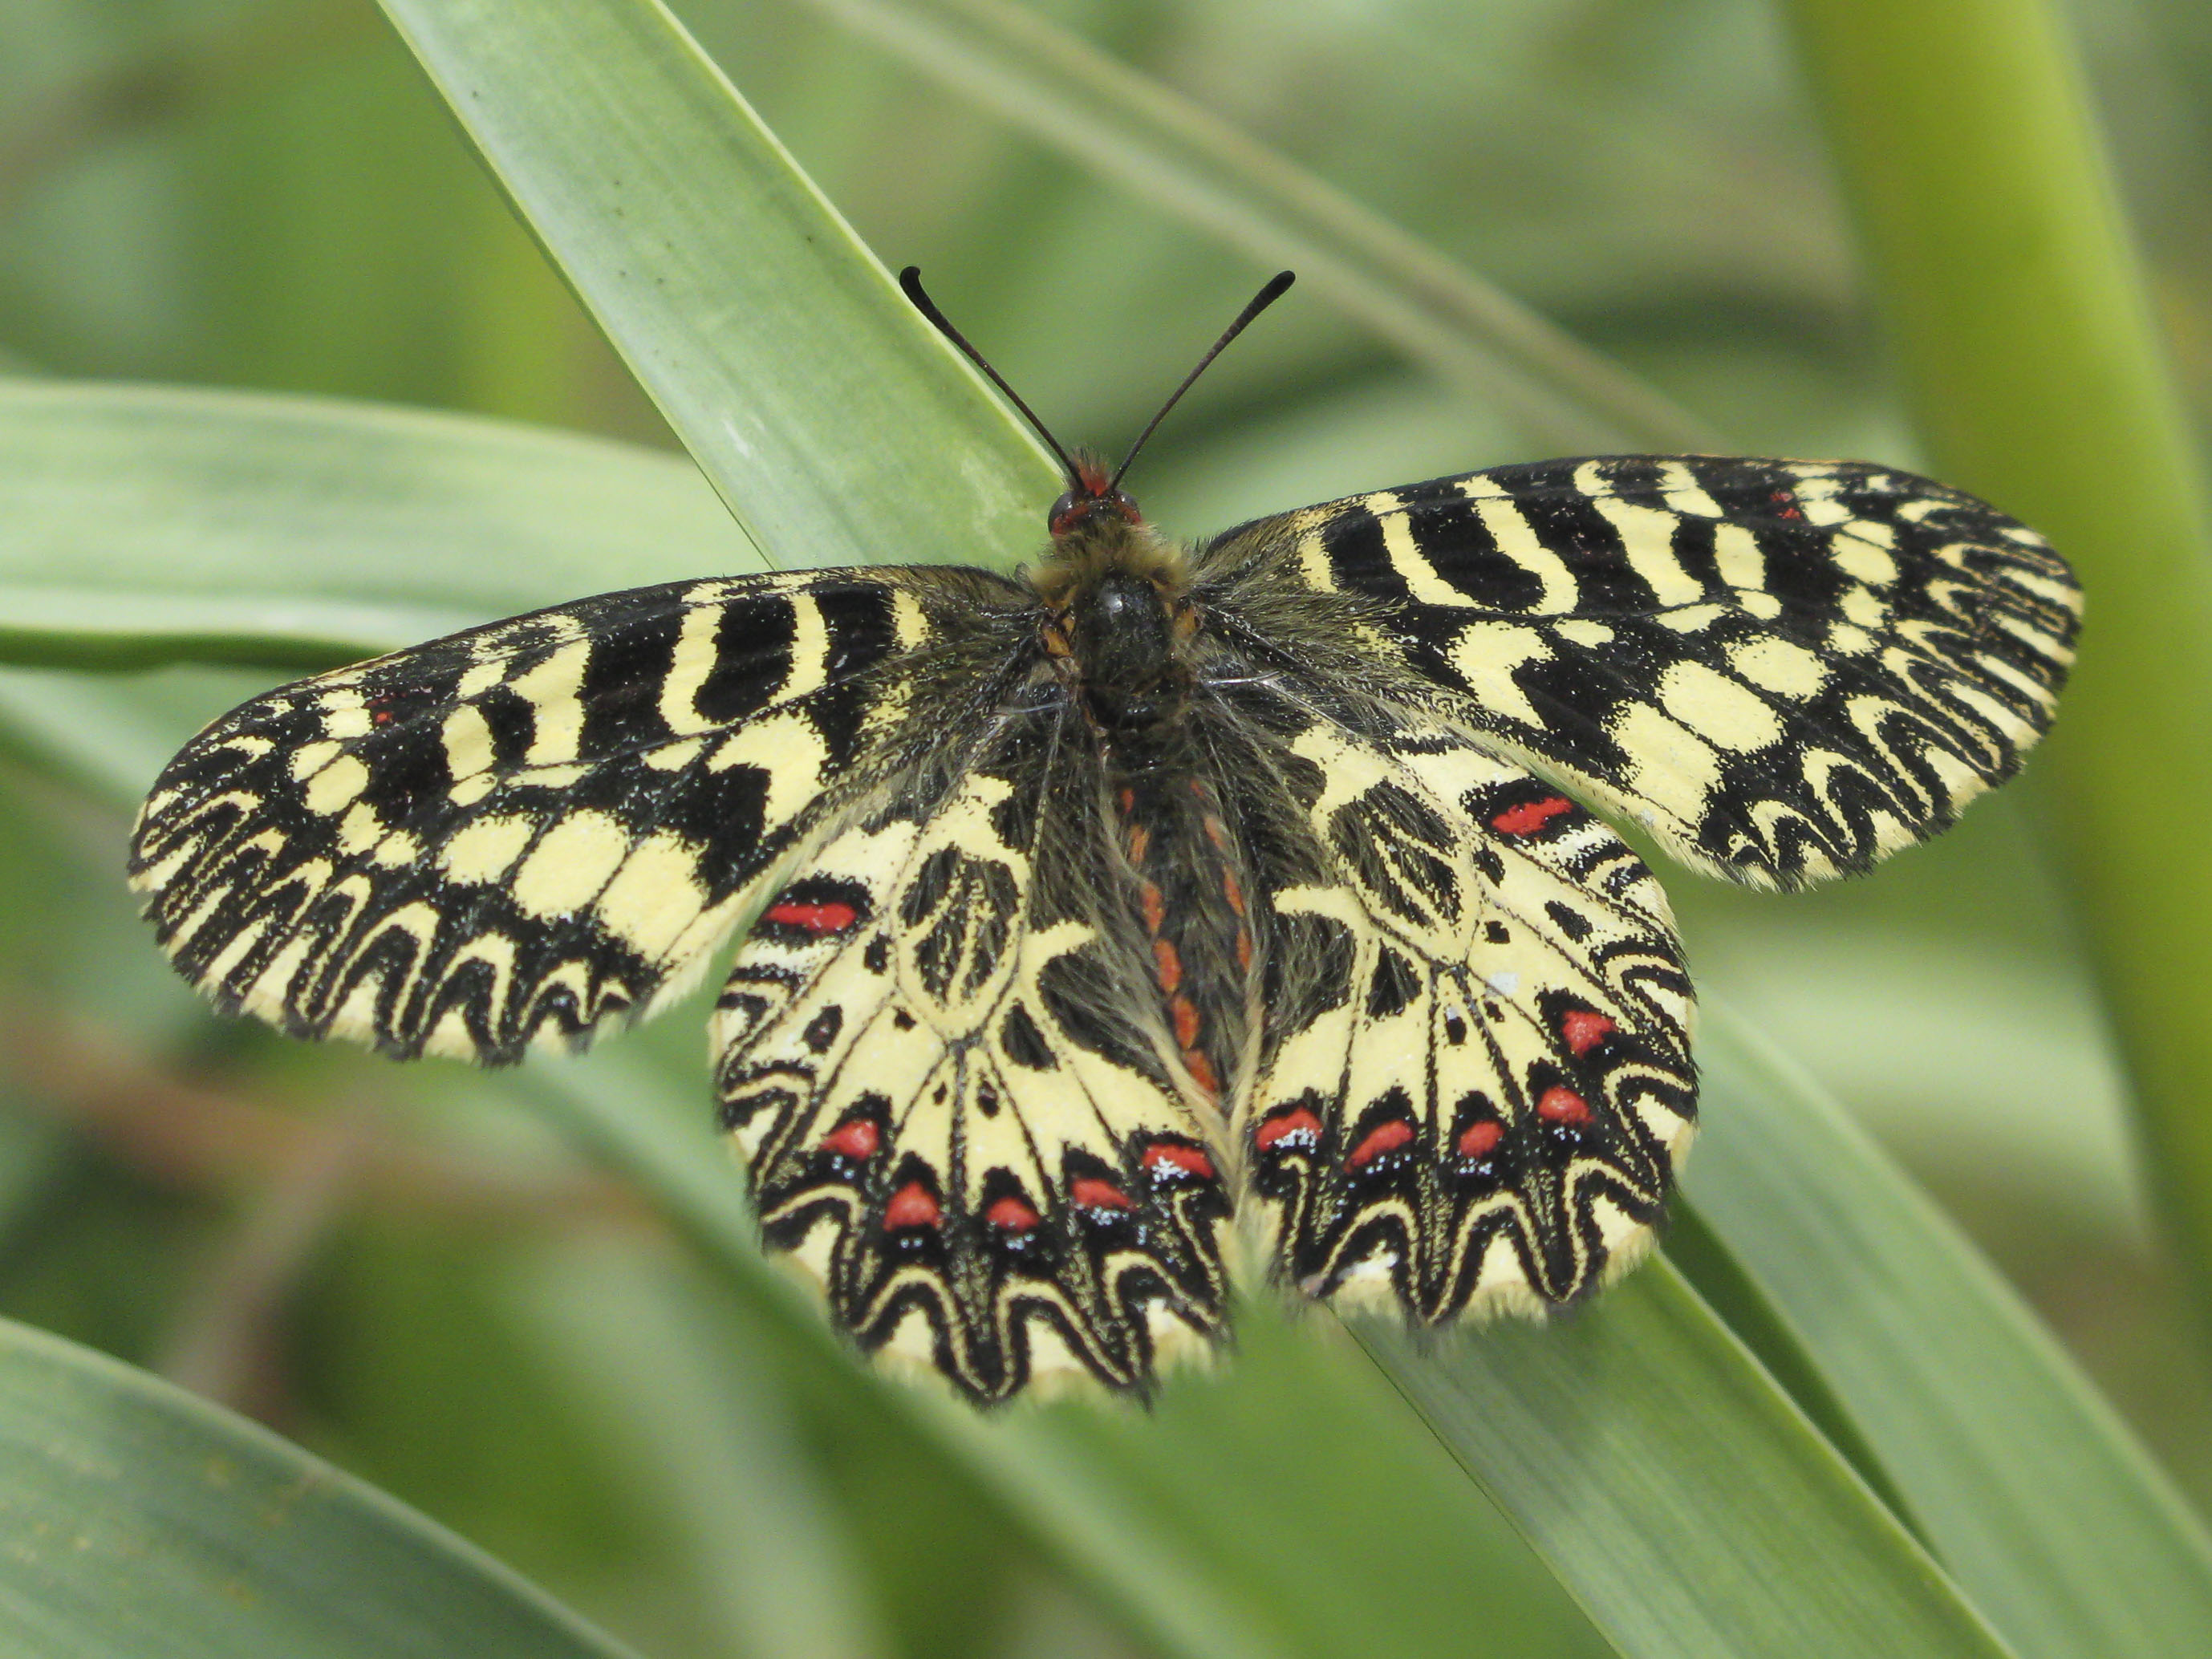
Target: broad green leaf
[1174,151]
[140,525]
[837,425]
[1689,1505]
[142,1521]
[1965,137]
[2020,1477]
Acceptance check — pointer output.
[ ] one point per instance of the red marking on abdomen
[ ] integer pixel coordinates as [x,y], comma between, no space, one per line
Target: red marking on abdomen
[1201,1072]
[1563,1106]
[1532,816]
[819,920]
[1011,1215]
[1480,1138]
[912,1206]
[856,1139]
[1093,1193]
[1184,1012]
[1189,1159]
[1231,891]
[1297,1121]
[1155,906]
[1167,965]
[1584,1030]
[1383,1137]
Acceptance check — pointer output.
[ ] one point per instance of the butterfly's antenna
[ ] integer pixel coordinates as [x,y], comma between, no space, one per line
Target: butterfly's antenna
[1278,285]
[910,280]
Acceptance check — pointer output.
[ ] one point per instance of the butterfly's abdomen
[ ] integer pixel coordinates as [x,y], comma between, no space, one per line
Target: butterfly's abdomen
[1190,901]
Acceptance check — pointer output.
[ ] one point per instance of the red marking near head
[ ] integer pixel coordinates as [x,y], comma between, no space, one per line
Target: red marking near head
[1189,1159]
[1091,478]
[819,920]
[1584,1030]
[1011,1215]
[911,1206]
[1480,1138]
[1297,1124]
[1184,1012]
[858,1139]
[1383,1137]
[1167,965]
[1528,818]
[1563,1106]
[1092,1194]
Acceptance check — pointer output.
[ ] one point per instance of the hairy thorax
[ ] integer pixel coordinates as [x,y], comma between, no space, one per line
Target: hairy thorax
[1122,637]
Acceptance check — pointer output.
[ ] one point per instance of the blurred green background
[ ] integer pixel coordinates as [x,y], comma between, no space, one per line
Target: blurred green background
[412,1275]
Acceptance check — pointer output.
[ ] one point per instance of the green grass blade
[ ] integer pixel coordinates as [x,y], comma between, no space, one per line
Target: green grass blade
[143,1520]
[2019,1476]
[1172,151]
[1685,1502]
[2023,331]
[743,304]
[143,525]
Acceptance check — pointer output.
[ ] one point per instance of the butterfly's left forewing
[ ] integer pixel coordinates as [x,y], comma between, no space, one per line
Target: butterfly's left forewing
[521,830]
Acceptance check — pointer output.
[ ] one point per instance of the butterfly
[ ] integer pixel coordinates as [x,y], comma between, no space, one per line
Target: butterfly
[1161,909]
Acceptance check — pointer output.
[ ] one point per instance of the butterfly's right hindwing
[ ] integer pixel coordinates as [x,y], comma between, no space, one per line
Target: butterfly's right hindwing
[519,831]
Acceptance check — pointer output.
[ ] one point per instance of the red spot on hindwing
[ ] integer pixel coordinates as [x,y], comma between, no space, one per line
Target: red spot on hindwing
[1563,1105]
[912,1206]
[1383,1137]
[1090,1193]
[1166,1155]
[1584,1030]
[1297,1125]
[820,919]
[1481,1139]
[1011,1215]
[1531,817]
[858,1139]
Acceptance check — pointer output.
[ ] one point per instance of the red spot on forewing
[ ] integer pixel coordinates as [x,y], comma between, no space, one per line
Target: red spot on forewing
[820,920]
[1191,1161]
[1786,502]
[912,1206]
[1531,817]
[1383,1137]
[1584,1030]
[856,1139]
[1481,1139]
[1011,1215]
[1297,1125]
[1563,1105]
[1092,1194]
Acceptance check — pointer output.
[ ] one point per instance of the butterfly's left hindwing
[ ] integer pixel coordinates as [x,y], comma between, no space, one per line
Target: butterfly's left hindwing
[956,1101]
[519,831]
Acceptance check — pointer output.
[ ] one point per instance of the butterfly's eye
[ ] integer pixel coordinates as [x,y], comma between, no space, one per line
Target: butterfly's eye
[1064,513]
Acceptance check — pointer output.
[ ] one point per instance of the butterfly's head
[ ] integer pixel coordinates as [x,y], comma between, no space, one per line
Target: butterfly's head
[1093,501]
